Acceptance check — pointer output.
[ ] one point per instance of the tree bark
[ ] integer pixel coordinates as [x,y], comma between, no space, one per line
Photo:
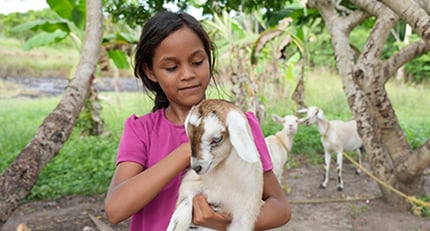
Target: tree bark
[391,158]
[19,178]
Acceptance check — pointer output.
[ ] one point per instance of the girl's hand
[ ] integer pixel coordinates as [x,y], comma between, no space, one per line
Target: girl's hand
[204,215]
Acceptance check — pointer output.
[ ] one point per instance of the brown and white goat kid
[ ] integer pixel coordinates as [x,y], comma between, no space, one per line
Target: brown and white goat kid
[225,166]
[336,136]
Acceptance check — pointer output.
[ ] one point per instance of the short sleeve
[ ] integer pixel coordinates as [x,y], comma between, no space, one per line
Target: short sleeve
[132,147]
[259,141]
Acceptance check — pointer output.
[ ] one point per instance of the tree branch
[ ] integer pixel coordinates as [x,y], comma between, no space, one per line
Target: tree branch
[415,164]
[381,30]
[413,14]
[355,18]
[19,178]
[424,4]
[404,55]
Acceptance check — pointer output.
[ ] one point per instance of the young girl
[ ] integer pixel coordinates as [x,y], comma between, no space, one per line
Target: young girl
[175,61]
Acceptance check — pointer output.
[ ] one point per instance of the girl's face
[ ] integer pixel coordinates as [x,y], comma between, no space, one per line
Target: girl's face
[181,67]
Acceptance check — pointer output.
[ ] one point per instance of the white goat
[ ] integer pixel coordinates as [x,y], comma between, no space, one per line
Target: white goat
[225,166]
[281,142]
[336,136]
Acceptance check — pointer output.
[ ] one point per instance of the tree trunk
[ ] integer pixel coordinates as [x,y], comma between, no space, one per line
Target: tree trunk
[19,178]
[391,158]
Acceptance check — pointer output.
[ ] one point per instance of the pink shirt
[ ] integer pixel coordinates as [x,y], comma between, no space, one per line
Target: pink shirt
[148,139]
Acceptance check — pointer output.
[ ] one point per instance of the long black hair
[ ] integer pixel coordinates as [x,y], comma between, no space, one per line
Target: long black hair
[155,30]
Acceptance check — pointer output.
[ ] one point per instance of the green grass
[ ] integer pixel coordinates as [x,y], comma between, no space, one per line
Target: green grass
[85,164]
[44,61]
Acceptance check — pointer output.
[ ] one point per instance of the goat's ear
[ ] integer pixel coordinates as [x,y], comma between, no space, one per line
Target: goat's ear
[303,110]
[277,118]
[301,120]
[320,114]
[241,137]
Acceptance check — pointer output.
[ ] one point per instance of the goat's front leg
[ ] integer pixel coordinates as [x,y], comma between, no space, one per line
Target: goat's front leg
[357,170]
[339,162]
[183,216]
[327,159]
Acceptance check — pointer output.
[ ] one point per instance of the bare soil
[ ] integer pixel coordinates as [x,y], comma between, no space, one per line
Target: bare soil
[357,207]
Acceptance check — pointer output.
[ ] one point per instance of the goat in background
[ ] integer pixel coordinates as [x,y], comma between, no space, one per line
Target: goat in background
[281,142]
[336,136]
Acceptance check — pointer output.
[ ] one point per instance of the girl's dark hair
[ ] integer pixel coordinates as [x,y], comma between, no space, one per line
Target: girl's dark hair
[155,30]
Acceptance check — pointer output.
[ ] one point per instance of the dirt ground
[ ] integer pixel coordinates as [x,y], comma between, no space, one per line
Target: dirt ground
[355,208]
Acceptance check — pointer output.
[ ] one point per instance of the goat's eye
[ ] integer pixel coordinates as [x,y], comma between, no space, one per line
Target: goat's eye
[216,140]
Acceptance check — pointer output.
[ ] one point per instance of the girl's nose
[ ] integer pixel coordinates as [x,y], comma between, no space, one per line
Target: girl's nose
[187,72]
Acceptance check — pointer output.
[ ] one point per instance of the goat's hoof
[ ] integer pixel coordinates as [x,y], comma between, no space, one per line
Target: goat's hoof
[339,188]
[322,186]
[357,172]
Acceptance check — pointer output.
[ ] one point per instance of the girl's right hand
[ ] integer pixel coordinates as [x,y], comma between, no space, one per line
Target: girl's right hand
[204,215]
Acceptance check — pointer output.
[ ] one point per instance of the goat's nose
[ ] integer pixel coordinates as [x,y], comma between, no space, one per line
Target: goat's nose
[197,168]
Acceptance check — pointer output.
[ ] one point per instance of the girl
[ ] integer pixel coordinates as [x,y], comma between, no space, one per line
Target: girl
[175,61]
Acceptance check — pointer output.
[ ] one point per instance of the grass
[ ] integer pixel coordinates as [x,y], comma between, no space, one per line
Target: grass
[44,61]
[85,164]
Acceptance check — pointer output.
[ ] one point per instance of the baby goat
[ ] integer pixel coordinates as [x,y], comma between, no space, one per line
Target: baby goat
[336,136]
[281,142]
[225,166]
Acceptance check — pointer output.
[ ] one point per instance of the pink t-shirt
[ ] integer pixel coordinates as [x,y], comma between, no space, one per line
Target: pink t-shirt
[148,139]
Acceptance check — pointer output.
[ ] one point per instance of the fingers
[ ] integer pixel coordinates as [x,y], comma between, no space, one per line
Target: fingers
[204,215]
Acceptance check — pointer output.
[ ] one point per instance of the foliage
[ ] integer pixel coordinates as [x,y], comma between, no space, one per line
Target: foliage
[136,12]
[321,52]
[11,20]
[85,164]
[53,61]
[133,13]
[418,69]
[71,23]
[421,210]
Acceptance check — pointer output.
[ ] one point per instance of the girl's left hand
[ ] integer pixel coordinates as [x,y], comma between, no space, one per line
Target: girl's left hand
[204,215]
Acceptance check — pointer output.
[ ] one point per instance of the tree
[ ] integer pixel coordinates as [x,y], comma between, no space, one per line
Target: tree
[364,77]
[18,179]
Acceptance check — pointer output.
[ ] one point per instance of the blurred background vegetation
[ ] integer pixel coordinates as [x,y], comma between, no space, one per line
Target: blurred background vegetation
[85,165]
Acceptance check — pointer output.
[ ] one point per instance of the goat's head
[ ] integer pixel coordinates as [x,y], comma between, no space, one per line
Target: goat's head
[289,123]
[215,128]
[313,114]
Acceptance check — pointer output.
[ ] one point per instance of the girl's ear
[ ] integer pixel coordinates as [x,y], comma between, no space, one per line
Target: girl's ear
[149,73]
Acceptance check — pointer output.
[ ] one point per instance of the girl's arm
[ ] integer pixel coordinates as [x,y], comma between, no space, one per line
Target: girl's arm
[276,210]
[133,187]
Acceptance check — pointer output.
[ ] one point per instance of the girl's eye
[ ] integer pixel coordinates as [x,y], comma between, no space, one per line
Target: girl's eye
[198,62]
[216,140]
[170,69]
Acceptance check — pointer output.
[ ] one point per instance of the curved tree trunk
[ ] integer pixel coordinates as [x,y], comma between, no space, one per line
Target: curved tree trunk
[391,157]
[19,178]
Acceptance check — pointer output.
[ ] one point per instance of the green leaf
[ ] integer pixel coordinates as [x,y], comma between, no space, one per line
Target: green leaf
[42,25]
[119,58]
[120,38]
[70,10]
[261,41]
[44,39]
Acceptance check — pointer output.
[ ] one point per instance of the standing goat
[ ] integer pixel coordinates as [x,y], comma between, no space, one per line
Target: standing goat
[225,166]
[281,142]
[336,136]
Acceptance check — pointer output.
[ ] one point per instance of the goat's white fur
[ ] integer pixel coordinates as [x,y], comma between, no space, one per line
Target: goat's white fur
[281,142]
[336,136]
[225,166]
